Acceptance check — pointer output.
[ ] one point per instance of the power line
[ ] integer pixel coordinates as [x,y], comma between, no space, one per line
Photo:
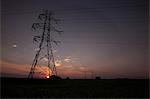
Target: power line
[83,10]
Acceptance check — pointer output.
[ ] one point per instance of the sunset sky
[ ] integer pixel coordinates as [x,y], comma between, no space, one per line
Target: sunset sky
[107,37]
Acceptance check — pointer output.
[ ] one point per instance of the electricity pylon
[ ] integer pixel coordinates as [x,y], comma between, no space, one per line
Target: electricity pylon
[45,39]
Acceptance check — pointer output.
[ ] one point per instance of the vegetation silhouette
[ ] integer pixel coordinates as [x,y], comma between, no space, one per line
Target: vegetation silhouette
[74,88]
[54,77]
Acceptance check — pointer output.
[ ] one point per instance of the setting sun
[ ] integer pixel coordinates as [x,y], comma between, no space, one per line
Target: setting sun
[47,77]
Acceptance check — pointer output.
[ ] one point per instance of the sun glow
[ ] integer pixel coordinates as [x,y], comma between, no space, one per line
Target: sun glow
[47,77]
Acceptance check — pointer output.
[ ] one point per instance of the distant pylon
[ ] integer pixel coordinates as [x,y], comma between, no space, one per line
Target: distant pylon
[92,75]
[85,73]
[45,39]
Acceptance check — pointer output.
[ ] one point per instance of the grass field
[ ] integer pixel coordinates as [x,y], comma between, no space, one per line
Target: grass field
[38,88]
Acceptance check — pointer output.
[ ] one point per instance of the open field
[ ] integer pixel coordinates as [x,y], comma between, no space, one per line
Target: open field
[38,88]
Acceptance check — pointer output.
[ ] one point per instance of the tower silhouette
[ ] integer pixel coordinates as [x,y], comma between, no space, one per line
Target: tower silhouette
[45,38]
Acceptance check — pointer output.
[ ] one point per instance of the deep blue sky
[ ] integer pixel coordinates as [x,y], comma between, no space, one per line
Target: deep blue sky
[109,37]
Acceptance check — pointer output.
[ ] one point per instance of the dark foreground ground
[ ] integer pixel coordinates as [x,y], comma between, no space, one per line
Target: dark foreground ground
[121,88]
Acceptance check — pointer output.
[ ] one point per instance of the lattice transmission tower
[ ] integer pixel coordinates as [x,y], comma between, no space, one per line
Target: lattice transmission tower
[45,38]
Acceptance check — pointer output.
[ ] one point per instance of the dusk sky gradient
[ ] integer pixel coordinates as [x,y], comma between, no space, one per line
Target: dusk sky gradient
[107,37]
